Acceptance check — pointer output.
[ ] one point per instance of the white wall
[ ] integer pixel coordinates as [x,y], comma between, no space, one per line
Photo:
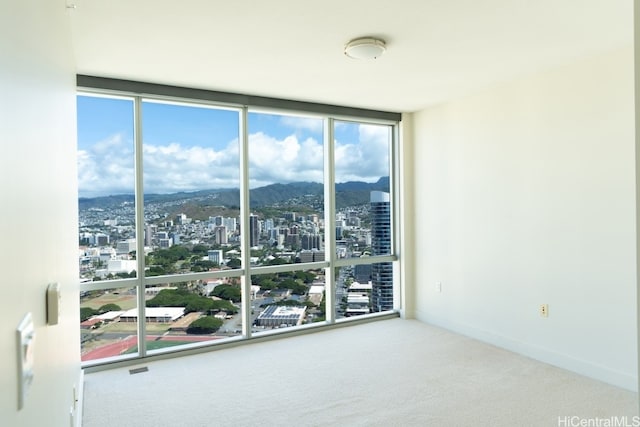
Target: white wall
[406,219]
[525,194]
[38,213]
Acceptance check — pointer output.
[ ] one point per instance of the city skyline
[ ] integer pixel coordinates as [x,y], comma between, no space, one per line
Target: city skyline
[190,160]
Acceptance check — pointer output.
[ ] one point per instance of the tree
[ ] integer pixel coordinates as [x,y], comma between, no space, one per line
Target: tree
[109,307]
[169,298]
[200,249]
[296,287]
[198,304]
[224,305]
[190,301]
[305,276]
[156,270]
[205,265]
[86,313]
[179,252]
[204,325]
[278,261]
[229,292]
[267,285]
[234,263]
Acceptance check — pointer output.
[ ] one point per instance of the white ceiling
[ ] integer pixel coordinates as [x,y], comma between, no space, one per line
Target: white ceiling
[292,49]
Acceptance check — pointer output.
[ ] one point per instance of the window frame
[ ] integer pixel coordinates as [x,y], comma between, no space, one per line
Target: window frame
[139,93]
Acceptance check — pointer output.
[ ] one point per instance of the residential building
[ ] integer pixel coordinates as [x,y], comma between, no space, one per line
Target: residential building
[221,236]
[382,272]
[126,246]
[216,256]
[254,230]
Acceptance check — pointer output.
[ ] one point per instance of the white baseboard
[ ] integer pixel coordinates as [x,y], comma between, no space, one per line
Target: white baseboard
[580,366]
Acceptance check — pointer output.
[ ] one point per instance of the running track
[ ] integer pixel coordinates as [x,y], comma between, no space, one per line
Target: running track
[119,347]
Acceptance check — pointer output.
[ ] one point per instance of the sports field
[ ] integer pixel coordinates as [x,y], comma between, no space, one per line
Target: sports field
[129,345]
[121,297]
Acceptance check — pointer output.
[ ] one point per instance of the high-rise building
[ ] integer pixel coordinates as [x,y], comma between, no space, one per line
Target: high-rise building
[230,223]
[268,224]
[362,273]
[311,241]
[165,243]
[101,239]
[254,230]
[182,219]
[381,273]
[149,232]
[220,233]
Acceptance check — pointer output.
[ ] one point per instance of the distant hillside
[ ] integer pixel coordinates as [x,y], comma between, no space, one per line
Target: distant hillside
[104,202]
[297,193]
[281,193]
[381,185]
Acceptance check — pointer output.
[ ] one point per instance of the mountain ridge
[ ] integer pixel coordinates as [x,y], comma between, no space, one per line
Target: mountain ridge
[349,193]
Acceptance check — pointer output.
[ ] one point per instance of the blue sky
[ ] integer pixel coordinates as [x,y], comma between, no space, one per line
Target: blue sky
[188,148]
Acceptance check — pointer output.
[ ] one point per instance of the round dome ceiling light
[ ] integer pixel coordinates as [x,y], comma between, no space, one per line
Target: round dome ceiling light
[365,48]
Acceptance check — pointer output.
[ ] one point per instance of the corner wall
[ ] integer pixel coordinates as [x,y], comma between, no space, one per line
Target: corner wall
[38,219]
[525,195]
[406,221]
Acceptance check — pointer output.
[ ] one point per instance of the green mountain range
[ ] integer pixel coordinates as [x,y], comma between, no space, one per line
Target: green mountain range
[294,194]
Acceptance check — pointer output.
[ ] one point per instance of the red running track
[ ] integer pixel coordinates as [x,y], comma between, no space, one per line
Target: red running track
[119,347]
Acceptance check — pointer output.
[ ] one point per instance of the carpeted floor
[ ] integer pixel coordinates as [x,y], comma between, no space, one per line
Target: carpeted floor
[385,373]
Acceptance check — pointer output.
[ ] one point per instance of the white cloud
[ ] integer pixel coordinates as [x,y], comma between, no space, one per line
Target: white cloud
[107,166]
[368,159]
[288,160]
[171,168]
[306,123]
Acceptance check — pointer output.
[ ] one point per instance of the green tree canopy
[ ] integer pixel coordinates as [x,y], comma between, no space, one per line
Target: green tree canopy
[204,325]
[234,263]
[86,312]
[109,307]
[295,286]
[224,305]
[305,276]
[200,249]
[229,292]
[190,301]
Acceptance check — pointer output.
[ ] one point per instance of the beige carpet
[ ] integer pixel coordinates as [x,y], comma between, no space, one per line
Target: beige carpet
[385,373]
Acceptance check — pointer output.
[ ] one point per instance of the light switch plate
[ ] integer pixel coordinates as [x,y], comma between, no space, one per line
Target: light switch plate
[25,340]
[53,303]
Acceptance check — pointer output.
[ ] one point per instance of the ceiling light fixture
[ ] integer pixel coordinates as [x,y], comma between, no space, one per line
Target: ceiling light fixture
[365,48]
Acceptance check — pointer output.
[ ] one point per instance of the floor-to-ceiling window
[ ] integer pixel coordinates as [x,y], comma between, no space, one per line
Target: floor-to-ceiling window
[204,222]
